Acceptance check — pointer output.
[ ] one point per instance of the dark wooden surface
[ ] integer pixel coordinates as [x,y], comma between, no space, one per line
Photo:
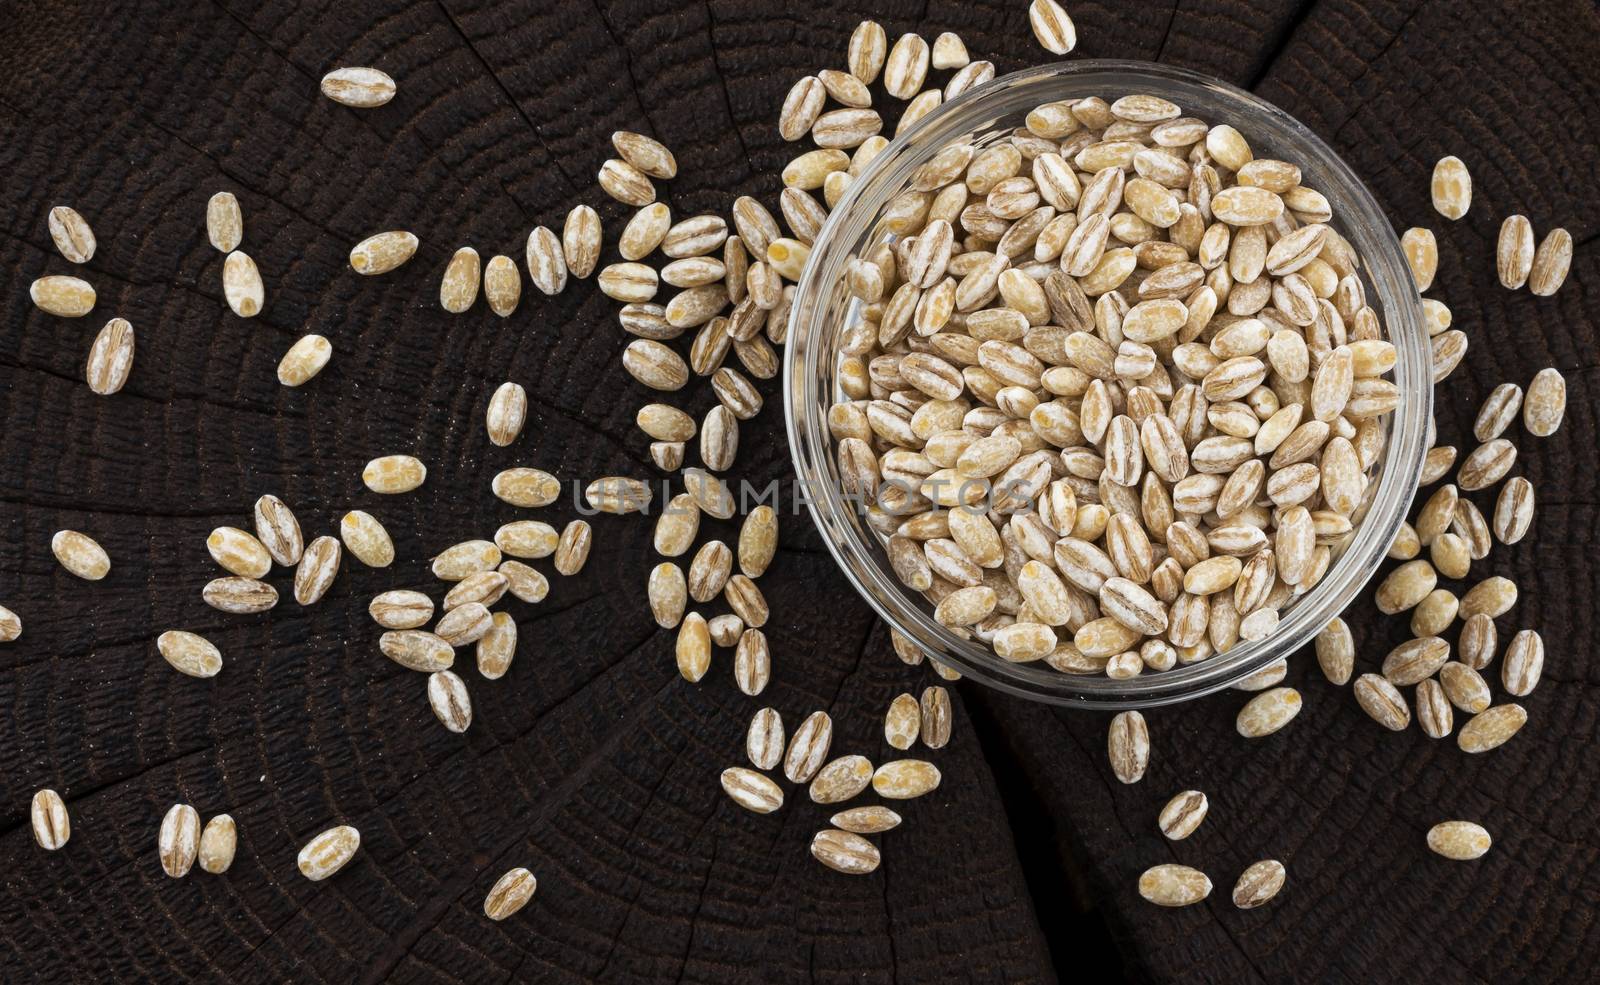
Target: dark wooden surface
[592,763]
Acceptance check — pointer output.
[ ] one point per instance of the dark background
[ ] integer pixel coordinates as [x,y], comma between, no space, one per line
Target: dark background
[591,762]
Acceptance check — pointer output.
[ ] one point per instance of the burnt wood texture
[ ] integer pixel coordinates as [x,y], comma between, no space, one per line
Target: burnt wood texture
[592,763]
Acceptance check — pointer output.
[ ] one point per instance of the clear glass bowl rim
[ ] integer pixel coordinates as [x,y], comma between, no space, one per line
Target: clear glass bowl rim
[1358,217]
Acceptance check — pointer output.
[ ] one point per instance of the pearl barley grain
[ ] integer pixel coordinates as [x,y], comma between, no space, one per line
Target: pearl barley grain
[328,852]
[1052,28]
[80,554]
[510,893]
[51,824]
[1451,188]
[218,843]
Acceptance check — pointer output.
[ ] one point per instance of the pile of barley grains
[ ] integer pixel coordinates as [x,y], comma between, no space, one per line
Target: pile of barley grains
[1112,392]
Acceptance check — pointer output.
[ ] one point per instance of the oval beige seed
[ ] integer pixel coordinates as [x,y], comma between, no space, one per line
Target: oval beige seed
[1415,660]
[383,252]
[1433,710]
[1494,596]
[665,423]
[866,820]
[319,565]
[189,653]
[1434,614]
[626,183]
[1524,663]
[1422,254]
[506,413]
[1513,510]
[1551,263]
[644,231]
[546,261]
[752,657]
[1545,404]
[867,50]
[393,474]
[904,779]
[709,571]
[808,747]
[458,288]
[526,538]
[1128,746]
[241,285]
[693,648]
[110,357]
[363,88]
[304,360]
[367,539]
[936,717]
[1405,587]
[80,554]
[1183,814]
[48,816]
[841,779]
[906,66]
[801,108]
[447,696]
[414,649]
[238,552]
[1451,187]
[1479,641]
[758,541]
[484,587]
[65,297]
[328,852]
[10,625]
[1170,884]
[1491,728]
[1258,884]
[1487,464]
[464,624]
[1336,651]
[1247,205]
[469,557]
[526,487]
[903,722]
[647,154]
[655,365]
[763,742]
[71,234]
[498,647]
[509,894]
[524,582]
[401,609]
[502,285]
[617,494]
[1464,687]
[1052,28]
[1513,257]
[224,222]
[845,852]
[710,493]
[572,549]
[178,841]
[218,843]
[580,240]
[1498,411]
[1383,702]
[241,596]
[1459,840]
[668,594]
[1268,712]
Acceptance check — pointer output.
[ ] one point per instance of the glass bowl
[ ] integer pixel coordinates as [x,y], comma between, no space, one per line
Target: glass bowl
[992,111]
